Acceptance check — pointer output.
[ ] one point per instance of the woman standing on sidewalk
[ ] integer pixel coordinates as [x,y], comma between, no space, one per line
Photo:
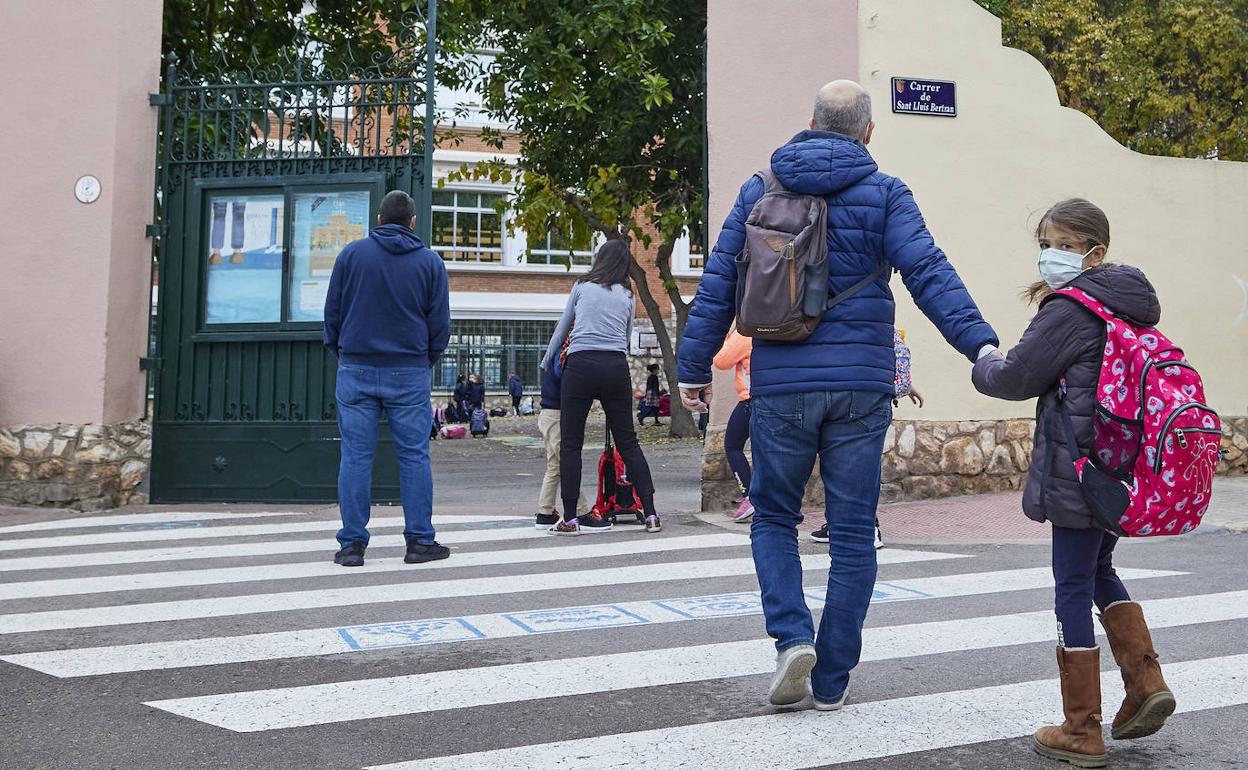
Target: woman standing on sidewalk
[735,356]
[598,322]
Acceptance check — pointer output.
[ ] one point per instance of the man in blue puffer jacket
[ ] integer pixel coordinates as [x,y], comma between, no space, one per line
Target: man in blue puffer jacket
[829,396]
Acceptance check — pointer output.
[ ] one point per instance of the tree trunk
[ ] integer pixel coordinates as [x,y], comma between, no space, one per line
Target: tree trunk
[683,423]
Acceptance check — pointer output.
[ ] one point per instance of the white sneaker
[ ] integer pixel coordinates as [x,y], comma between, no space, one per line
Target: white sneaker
[879,539]
[792,680]
[835,705]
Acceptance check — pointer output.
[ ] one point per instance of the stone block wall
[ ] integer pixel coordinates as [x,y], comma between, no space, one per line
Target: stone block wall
[928,459]
[84,467]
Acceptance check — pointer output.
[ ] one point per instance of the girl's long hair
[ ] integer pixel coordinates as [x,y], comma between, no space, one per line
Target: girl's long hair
[611,265]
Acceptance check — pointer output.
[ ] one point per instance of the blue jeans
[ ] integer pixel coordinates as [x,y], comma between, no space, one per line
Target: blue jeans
[845,430]
[363,393]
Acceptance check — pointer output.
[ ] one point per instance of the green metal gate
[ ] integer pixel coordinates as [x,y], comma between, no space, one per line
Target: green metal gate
[264,175]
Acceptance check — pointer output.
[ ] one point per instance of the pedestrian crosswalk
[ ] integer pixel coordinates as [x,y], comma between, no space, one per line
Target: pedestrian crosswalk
[247,627]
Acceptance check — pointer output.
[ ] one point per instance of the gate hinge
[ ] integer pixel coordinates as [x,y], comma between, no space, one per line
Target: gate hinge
[158,100]
[148,364]
[154,231]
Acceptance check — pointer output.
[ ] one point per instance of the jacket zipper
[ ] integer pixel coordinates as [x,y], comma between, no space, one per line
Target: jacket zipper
[1161,438]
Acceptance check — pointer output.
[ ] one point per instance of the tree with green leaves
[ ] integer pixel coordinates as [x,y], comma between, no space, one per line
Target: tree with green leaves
[607,98]
[1163,77]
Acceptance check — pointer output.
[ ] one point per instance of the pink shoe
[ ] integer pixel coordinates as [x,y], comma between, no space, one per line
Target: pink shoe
[744,511]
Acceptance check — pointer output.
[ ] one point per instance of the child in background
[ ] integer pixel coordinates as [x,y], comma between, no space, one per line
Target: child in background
[735,356]
[903,385]
[548,426]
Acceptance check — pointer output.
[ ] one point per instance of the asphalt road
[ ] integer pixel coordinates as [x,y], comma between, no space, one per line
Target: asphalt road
[189,639]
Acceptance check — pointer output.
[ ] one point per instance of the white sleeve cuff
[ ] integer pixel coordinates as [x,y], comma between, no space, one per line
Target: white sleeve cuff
[985,351]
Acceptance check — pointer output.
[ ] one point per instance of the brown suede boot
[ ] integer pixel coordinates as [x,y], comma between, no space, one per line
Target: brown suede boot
[1077,740]
[1149,701]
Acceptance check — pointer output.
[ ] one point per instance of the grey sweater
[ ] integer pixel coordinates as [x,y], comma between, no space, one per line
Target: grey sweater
[603,320]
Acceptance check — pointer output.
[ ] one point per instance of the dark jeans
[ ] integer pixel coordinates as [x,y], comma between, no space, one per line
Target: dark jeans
[845,430]
[735,436]
[363,392]
[1083,575]
[515,405]
[601,375]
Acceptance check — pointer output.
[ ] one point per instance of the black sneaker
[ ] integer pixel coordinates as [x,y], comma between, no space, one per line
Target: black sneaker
[592,522]
[351,556]
[820,535]
[547,520]
[417,553]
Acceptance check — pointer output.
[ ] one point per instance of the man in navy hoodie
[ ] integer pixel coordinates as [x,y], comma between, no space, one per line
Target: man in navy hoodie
[388,319]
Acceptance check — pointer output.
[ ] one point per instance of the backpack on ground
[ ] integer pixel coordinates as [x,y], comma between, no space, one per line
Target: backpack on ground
[1157,441]
[480,425]
[498,411]
[454,431]
[616,495]
[782,272]
[526,407]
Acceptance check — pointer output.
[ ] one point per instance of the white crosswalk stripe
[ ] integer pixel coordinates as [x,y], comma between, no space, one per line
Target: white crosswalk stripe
[154,520]
[155,612]
[322,545]
[189,630]
[389,634]
[267,572]
[867,731]
[369,699]
[198,533]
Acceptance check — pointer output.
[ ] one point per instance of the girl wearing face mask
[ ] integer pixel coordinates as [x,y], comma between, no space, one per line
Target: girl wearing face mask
[1059,356]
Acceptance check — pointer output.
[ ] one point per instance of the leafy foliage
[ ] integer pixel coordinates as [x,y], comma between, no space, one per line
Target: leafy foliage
[607,97]
[1164,77]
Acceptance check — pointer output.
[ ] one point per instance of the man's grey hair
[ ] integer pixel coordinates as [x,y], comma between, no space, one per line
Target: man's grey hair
[841,108]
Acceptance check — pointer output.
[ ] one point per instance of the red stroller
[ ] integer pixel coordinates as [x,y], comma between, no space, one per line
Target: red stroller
[616,495]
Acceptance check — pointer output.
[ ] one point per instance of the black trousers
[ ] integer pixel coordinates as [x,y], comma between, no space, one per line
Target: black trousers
[515,404]
[603,376]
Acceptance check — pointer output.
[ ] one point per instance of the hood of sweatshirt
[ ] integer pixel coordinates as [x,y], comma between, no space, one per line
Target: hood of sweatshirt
[396,239]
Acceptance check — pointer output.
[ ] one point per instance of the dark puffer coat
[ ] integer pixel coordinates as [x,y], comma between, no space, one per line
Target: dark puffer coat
[1064,337]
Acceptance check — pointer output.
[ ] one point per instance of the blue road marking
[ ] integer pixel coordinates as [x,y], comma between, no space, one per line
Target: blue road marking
[385,635]
[154,525]
[719,606]
[574,618]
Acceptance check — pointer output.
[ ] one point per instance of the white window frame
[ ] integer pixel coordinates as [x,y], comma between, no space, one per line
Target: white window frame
[515,243]
[456,209]
[681,258]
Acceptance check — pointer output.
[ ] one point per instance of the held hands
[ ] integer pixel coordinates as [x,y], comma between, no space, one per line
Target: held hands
[691,401]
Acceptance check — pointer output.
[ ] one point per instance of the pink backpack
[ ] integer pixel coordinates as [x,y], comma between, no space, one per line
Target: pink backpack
[1157,442]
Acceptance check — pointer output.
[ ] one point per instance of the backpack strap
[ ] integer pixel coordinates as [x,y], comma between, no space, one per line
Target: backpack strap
[1094,306]
[770,183]
[880,271]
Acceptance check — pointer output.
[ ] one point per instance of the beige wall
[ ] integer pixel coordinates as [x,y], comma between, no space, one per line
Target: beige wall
[765,61]
[983,179]
[74,277]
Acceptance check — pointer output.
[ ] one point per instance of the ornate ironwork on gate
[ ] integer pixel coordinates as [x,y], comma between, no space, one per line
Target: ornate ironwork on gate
[265,172]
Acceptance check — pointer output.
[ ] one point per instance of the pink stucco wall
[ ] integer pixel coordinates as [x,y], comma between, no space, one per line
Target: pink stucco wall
[74,278]
[757,98]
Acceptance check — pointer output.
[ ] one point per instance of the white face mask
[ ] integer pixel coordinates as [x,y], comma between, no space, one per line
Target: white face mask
[1059,268]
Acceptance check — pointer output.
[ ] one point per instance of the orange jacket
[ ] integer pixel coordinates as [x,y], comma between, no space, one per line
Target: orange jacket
[736,354]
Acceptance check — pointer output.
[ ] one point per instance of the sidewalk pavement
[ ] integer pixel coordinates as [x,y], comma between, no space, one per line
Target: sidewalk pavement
[999,517]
